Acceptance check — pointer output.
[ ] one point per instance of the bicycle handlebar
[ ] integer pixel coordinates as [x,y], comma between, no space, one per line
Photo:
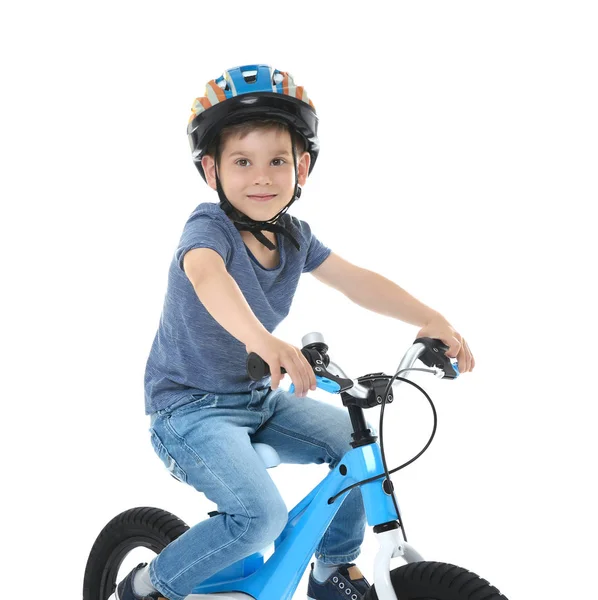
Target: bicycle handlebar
[330,377]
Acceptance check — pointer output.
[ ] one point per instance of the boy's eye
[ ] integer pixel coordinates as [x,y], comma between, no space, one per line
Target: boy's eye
[244,160]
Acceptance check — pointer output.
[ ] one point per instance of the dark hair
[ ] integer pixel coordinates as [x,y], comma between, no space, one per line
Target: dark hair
[246,127]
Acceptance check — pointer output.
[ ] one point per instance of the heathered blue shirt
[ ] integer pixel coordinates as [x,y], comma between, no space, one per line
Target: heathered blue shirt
[192,353]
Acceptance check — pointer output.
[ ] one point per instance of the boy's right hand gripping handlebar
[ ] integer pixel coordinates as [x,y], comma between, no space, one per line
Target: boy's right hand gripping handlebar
[315,354]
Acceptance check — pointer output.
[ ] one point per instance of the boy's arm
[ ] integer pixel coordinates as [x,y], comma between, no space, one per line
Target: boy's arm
[224,300]
[378,294]
[221,295]
[373,291]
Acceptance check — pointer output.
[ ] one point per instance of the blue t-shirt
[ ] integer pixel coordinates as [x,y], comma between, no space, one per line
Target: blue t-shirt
[192,352]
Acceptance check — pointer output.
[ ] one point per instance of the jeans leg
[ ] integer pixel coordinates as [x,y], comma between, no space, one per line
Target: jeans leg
[208,446]
[304,430]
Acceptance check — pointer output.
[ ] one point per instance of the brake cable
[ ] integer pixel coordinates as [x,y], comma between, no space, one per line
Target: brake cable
[387,473]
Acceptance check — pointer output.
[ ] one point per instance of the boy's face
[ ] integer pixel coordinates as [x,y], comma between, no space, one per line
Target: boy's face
[259,164]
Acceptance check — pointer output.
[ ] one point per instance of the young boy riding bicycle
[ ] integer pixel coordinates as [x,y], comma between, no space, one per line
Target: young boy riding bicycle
[231,282]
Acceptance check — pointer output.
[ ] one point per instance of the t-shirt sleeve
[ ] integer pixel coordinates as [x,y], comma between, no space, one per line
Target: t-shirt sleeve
[317,252]
[203,231]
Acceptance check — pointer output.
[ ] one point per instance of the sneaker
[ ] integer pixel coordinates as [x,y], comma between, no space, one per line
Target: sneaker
[124,590]
[346,583]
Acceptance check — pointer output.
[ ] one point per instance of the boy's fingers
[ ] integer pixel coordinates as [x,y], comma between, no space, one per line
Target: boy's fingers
[275,373]
[470,355]
[454,347]
[311,376]
[470,361]
[297,379]
[304,369]
[465,360]
[304,377]
[295,373]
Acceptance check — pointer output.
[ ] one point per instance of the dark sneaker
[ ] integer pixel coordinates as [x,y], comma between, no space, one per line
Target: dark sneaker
[346,583]
[124,590]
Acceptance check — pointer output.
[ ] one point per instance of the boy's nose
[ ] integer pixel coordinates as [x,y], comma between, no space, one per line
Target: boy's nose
[262,177]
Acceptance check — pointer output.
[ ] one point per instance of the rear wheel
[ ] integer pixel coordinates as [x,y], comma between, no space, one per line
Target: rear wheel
[438,581]
[143,527]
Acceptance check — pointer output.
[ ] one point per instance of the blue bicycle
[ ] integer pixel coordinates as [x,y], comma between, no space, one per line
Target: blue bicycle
[277,577]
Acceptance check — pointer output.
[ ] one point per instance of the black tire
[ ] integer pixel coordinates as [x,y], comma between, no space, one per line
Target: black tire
[148,527]
[438,581]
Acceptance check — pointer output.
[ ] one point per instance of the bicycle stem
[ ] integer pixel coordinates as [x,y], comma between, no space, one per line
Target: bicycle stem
[360,391]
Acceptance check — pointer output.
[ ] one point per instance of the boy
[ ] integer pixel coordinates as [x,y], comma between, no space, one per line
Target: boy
[231,282]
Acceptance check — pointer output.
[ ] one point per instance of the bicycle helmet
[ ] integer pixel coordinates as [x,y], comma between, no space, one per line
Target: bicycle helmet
[242,94]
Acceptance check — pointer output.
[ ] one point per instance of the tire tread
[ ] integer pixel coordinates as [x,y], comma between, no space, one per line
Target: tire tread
[142,525]
[438,581]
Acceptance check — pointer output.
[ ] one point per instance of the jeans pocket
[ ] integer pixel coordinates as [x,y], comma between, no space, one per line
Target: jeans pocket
[203,400]
[166,458]
[196,402]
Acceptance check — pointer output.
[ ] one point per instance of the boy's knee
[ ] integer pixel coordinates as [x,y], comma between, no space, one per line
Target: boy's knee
[267,521]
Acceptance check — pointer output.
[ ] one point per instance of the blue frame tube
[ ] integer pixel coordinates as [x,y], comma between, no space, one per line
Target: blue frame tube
[279,576]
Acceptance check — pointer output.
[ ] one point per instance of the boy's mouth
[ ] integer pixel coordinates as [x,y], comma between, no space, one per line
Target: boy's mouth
[262,197]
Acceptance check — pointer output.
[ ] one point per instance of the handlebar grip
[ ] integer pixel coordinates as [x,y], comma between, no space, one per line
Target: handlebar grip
[258,368]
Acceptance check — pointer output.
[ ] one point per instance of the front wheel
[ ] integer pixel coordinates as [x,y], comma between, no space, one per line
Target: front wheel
[438,581]
[143,527]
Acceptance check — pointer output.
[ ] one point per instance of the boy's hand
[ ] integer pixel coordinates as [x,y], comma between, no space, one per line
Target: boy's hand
[280,354]
[439,328]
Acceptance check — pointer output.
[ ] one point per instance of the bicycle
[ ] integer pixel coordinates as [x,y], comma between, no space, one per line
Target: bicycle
[277,578]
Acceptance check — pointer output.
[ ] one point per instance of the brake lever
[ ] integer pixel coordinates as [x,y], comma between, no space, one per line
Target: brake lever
[324,379]
[434,355]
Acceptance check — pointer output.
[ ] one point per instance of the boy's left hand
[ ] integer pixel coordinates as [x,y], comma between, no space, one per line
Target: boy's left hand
[439,328]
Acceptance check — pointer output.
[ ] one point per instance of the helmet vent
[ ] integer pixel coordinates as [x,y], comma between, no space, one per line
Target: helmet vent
[223,84]
[250,76]
[278,77]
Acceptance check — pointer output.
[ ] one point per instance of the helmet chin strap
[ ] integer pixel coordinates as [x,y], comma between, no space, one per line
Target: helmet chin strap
[244,223]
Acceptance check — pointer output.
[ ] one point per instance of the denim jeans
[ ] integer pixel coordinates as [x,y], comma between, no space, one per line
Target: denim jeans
[206,443]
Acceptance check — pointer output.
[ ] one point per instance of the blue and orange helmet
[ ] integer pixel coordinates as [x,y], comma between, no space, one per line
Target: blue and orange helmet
[251,92]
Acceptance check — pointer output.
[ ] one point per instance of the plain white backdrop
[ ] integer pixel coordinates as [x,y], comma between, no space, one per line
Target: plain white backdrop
[458,159]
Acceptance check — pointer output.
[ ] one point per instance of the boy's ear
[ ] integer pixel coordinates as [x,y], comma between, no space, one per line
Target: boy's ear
[209,168]
[303,168]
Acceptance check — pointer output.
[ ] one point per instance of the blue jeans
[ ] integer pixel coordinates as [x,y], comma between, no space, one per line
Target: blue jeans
[206,442]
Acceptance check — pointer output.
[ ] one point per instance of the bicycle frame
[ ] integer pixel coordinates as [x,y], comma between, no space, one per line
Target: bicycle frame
[279,576]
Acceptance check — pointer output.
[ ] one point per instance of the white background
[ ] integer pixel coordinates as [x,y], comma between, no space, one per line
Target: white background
[458,159]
